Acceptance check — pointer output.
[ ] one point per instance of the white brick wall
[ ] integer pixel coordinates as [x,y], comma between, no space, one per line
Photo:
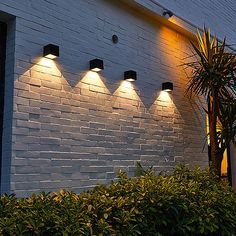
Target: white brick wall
[74,130]
[218,15]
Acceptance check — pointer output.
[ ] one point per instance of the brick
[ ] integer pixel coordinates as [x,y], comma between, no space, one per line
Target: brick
[21,116]
[55,141]
[95,125]
[28,124]
[71,131]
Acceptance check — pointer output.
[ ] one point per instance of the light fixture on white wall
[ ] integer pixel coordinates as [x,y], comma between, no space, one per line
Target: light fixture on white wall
[130,75]
[167,86]
[96,65]
[51,51]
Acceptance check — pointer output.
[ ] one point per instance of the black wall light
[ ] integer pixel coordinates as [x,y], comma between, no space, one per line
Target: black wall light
[96,65]
[167,14]
[130,75]
[51,51]
[167,86]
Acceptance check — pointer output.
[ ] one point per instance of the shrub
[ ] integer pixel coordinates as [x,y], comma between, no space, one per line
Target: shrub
[185,203]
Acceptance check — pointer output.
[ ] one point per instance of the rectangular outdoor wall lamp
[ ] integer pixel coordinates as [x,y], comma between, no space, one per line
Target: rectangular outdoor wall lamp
[51,51]
[96,65]
[167,86]
[130,75]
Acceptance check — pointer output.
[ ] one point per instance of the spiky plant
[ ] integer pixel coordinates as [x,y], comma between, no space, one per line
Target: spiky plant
[213,76]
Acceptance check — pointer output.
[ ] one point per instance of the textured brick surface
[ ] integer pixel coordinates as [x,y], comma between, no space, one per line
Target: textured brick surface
[218,15]
[74,129]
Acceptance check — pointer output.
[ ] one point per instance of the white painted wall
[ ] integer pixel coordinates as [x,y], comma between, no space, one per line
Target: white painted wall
[74,130]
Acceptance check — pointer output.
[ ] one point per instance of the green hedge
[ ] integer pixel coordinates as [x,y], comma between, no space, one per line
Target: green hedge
[185,203]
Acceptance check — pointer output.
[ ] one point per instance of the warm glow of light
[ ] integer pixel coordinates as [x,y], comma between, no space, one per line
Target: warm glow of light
[126,85]
[130,80]
[164,97]
[127,90]
[163,106]
[172,52]
[96,69]
[46,69]
[92,77]
[43,70]
[207,130]
[92,81]
[167,90]
[224,163]
[127,95]
[46,62]
[47,66]
[50,56]
[175,20]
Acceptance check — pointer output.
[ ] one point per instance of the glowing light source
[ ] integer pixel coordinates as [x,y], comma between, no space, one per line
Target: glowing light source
[51,51]
[125,84]
[164,97]
[167,14]
[130,75]
[93,83]
[47,67]
[126,94]
[167,86]
[96,65]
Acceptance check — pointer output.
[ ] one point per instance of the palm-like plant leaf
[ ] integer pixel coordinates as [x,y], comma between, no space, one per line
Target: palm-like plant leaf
[213,75]
[214,69]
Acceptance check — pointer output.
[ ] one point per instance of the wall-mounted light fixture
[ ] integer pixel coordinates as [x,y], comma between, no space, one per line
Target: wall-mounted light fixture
[96,65]
[51,51]
[130,75]
[167,14]
[167,86]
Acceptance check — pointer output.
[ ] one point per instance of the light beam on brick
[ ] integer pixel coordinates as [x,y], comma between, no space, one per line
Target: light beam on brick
[47,66]
[163,108]
[165,97]
[44,77]
[92,83]
[127,96]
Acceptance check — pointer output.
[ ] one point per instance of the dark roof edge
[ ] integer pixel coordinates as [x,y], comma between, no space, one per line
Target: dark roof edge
[155,10]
